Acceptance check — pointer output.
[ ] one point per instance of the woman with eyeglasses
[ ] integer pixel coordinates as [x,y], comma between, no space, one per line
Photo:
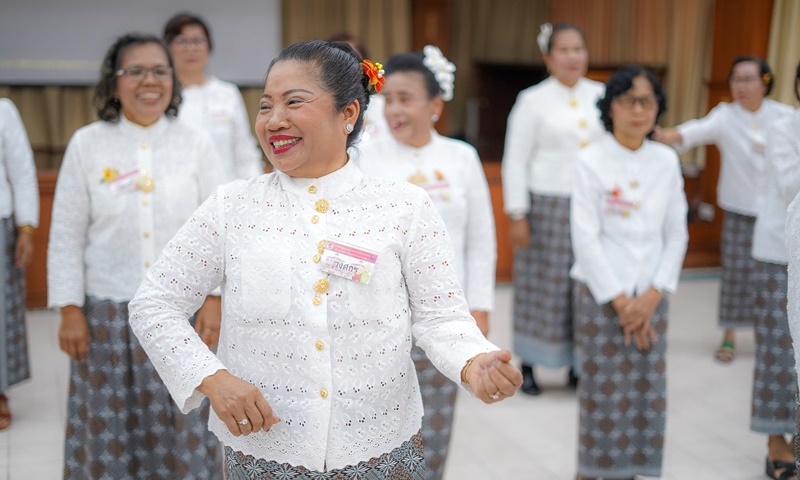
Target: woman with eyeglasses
[209,103]
[548,126]
[629,235]
[127,183]
[738,129]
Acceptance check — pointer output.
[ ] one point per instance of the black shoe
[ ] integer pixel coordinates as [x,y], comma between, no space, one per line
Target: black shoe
[529,386]
[572,379]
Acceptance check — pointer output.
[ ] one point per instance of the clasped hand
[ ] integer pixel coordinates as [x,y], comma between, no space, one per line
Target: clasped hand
[238,403]
[635,317]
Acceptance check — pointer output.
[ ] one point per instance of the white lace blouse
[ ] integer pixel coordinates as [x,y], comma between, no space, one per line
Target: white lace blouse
[104,235]
[452,174]
[217,108]
[332,356]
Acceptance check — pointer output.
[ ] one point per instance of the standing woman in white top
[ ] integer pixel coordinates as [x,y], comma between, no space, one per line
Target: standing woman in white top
[327,275]
[209,103]
[629,235]
[738,129]
[774,406]
[19,216]
[547,127]
[127,183]
[417,85]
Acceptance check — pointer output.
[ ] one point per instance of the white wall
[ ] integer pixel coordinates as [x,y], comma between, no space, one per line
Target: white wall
[62,42]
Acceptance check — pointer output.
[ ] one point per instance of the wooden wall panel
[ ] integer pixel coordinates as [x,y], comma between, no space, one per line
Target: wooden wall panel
[36,274]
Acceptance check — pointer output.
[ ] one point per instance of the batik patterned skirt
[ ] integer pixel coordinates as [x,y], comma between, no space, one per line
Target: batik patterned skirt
[738,271]
[774,378]
[439,402]
[622,393]
[403,463]
[121,421]
[543,288]
[14,366]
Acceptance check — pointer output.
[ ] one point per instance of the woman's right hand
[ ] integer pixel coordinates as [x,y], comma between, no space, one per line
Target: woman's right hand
[667,136]
[519,233]
[238,403]
[73,334]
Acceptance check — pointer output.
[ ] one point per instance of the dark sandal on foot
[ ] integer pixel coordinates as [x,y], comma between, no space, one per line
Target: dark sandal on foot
[725,352]
[788,469]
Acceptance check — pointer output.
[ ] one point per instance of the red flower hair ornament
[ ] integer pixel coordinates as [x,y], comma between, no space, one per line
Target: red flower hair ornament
[374,71]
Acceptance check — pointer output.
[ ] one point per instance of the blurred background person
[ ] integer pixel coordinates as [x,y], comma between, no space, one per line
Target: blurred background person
[19,216]
[774,403]
[738,129]
[417,85]
[127,183]
[629,234]
[209,103]
[547,127]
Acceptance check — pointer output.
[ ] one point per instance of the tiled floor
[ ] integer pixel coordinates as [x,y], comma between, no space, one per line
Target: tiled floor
[522,438]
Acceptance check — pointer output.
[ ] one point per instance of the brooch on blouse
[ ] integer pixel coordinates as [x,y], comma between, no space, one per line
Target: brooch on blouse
[617,205]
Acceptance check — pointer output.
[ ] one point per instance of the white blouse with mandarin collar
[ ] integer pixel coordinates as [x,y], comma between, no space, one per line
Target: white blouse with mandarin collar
[740,136]
[331,355]
[19,190]
[105,231]
[452,174]
[217,108]
[547,127]
[628,219]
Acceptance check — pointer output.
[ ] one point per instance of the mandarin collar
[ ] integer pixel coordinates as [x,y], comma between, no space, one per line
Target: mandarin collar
[143,133]
[626,152]
[331,185]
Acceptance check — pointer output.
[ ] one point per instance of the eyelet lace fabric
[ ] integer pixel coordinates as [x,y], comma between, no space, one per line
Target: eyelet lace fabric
[336,370]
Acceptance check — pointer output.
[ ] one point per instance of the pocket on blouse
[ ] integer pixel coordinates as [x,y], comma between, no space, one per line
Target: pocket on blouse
[266,282]
[377,298]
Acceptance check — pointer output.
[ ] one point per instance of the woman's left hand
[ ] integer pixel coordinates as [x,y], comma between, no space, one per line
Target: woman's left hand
[635,319]
[209,319]
[24,252]
[492,378]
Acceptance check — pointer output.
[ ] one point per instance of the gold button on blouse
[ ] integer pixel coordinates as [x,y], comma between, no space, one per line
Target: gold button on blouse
[582,123]
[315,219]
[312,189]
[146,264]
[584,143]
[321,205]
[317,258]
[323,392]
[319,345]
[146,234]
[316,301]
[321,246]
[321,286]
[573,102]
[143,145]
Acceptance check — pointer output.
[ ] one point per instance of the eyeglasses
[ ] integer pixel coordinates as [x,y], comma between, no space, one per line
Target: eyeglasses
[187,42]
[745,79]
[137,73]
[648,102]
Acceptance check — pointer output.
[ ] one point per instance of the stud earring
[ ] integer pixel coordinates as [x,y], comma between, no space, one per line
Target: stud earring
[435,118]
[348,128]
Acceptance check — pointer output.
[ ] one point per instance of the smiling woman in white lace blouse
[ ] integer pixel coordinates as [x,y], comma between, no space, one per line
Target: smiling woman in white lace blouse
[326,276]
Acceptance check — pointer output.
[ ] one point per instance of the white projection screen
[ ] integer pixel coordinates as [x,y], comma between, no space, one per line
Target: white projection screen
[62,42]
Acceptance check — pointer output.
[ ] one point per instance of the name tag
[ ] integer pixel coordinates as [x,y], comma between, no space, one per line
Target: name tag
[347,261]
[125,182]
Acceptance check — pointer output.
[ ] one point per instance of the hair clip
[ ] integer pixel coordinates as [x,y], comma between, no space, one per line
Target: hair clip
[443,70]
[374,71]
[543,39]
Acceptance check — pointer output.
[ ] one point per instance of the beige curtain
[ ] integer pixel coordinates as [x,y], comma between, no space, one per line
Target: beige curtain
[784,48]
[383,26]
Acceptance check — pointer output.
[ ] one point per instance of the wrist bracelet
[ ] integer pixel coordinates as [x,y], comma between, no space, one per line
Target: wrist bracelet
[26,228]
[466,368]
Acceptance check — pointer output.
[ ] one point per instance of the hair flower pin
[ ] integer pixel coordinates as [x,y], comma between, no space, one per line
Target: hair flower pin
[374,71]
[443,70]
[543,39]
